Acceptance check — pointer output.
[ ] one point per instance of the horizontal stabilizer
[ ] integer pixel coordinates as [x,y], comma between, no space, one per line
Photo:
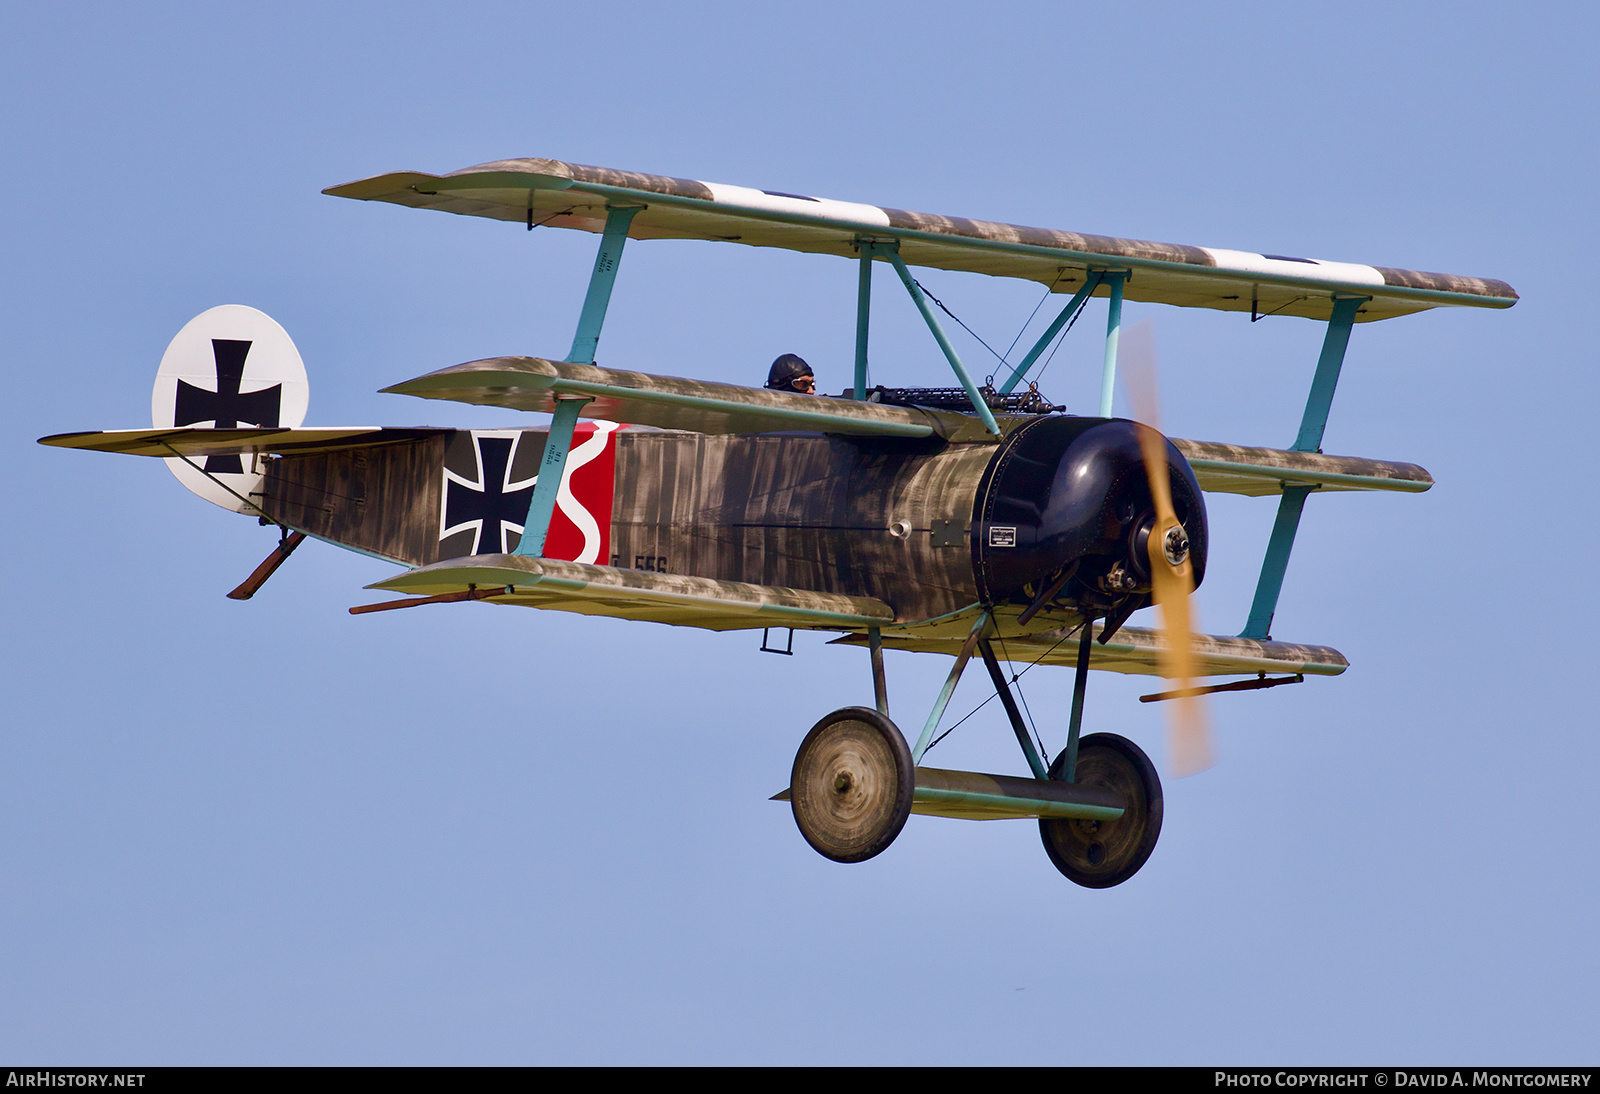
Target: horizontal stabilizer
[638,594]
[542,192]
[532,383]
[1131,650]
[231,442]
[1236,469]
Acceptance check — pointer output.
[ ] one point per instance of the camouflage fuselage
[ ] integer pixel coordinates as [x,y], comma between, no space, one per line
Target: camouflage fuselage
[886,519]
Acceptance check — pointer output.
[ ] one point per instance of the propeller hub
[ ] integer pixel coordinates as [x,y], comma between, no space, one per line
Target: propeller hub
[1175,545]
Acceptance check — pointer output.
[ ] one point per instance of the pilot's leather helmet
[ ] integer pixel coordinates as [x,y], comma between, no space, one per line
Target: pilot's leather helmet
[786,370]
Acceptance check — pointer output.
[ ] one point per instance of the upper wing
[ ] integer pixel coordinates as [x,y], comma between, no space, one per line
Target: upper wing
[532,383]
[568,195]
[637,594]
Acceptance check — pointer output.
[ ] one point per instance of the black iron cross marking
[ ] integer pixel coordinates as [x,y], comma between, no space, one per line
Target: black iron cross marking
[489,504]
[227,406]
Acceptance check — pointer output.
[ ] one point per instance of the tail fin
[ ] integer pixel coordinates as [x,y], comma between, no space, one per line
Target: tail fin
[229,367]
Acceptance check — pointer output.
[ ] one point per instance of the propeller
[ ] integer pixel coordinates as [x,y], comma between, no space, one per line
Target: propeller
[1172,576]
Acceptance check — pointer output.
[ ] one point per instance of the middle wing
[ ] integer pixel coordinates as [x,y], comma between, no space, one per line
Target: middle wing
[533,383]
[1256,472]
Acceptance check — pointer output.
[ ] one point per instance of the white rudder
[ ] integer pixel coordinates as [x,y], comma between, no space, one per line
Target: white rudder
[229,367]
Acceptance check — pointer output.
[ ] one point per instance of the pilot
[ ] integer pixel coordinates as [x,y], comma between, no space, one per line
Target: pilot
[791,373]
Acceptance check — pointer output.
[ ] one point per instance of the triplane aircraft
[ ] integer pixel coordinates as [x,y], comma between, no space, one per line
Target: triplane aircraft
[967,520]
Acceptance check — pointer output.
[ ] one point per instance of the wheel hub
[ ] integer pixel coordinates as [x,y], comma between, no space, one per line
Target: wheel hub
[852,784]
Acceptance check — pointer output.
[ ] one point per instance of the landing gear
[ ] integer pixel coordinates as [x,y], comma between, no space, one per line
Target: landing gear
[854,781]
[852,784]
[1100,854]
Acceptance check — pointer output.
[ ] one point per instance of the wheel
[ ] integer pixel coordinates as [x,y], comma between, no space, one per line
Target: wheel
[851,785]
[1100,854]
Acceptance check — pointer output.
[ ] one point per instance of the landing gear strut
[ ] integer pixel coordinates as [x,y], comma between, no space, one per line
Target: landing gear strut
[854,781]
[1102,853]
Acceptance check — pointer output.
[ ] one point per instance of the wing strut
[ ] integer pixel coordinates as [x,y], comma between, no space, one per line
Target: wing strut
[598,298]
[892,252]
[863,311]
[552,468]
[1079,298]
[1108,372]
[1312,424]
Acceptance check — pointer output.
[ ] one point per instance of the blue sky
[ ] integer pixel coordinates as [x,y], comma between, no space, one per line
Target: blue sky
[271,832]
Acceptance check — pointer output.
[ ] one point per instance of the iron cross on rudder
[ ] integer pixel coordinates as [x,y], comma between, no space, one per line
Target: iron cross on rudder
[227,406]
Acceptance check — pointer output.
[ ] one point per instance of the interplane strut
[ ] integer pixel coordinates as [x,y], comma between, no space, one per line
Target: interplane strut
[1292,504]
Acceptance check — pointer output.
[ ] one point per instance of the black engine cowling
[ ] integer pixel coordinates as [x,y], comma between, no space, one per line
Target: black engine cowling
[1067,495]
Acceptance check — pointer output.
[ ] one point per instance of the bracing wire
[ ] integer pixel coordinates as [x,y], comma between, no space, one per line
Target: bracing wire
[1061,338]
[1023,329]
[959,323]
[957,726]
[1064,638]
[1016,682]
[1062,272]
[1020,331]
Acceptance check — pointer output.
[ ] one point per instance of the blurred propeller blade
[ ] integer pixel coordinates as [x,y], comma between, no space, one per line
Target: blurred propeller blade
[1172,576]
